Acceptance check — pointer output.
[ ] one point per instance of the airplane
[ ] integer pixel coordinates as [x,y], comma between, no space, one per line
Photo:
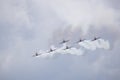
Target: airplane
[36,54]
[67,47]
[81,40]
[51,50]
[64,41]
[96,38]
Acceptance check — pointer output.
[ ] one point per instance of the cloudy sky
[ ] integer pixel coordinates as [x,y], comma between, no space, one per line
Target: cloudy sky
[27,26]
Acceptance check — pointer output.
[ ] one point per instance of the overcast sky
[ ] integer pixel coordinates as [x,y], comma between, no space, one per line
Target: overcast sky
[27,26]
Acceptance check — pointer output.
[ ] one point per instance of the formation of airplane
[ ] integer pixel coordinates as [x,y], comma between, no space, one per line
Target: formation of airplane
[67,47]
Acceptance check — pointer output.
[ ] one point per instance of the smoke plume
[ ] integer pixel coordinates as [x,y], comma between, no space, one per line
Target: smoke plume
[78,51]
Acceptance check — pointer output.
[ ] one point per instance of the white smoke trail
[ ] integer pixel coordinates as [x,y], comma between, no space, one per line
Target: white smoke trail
[87,44]
[73,50]
[93,45]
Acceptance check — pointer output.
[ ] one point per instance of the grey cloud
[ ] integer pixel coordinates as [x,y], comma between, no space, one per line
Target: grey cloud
[114,4]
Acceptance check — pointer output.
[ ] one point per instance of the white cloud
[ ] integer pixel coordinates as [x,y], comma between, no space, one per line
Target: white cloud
[15,13]
[84,13]
[42,17]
